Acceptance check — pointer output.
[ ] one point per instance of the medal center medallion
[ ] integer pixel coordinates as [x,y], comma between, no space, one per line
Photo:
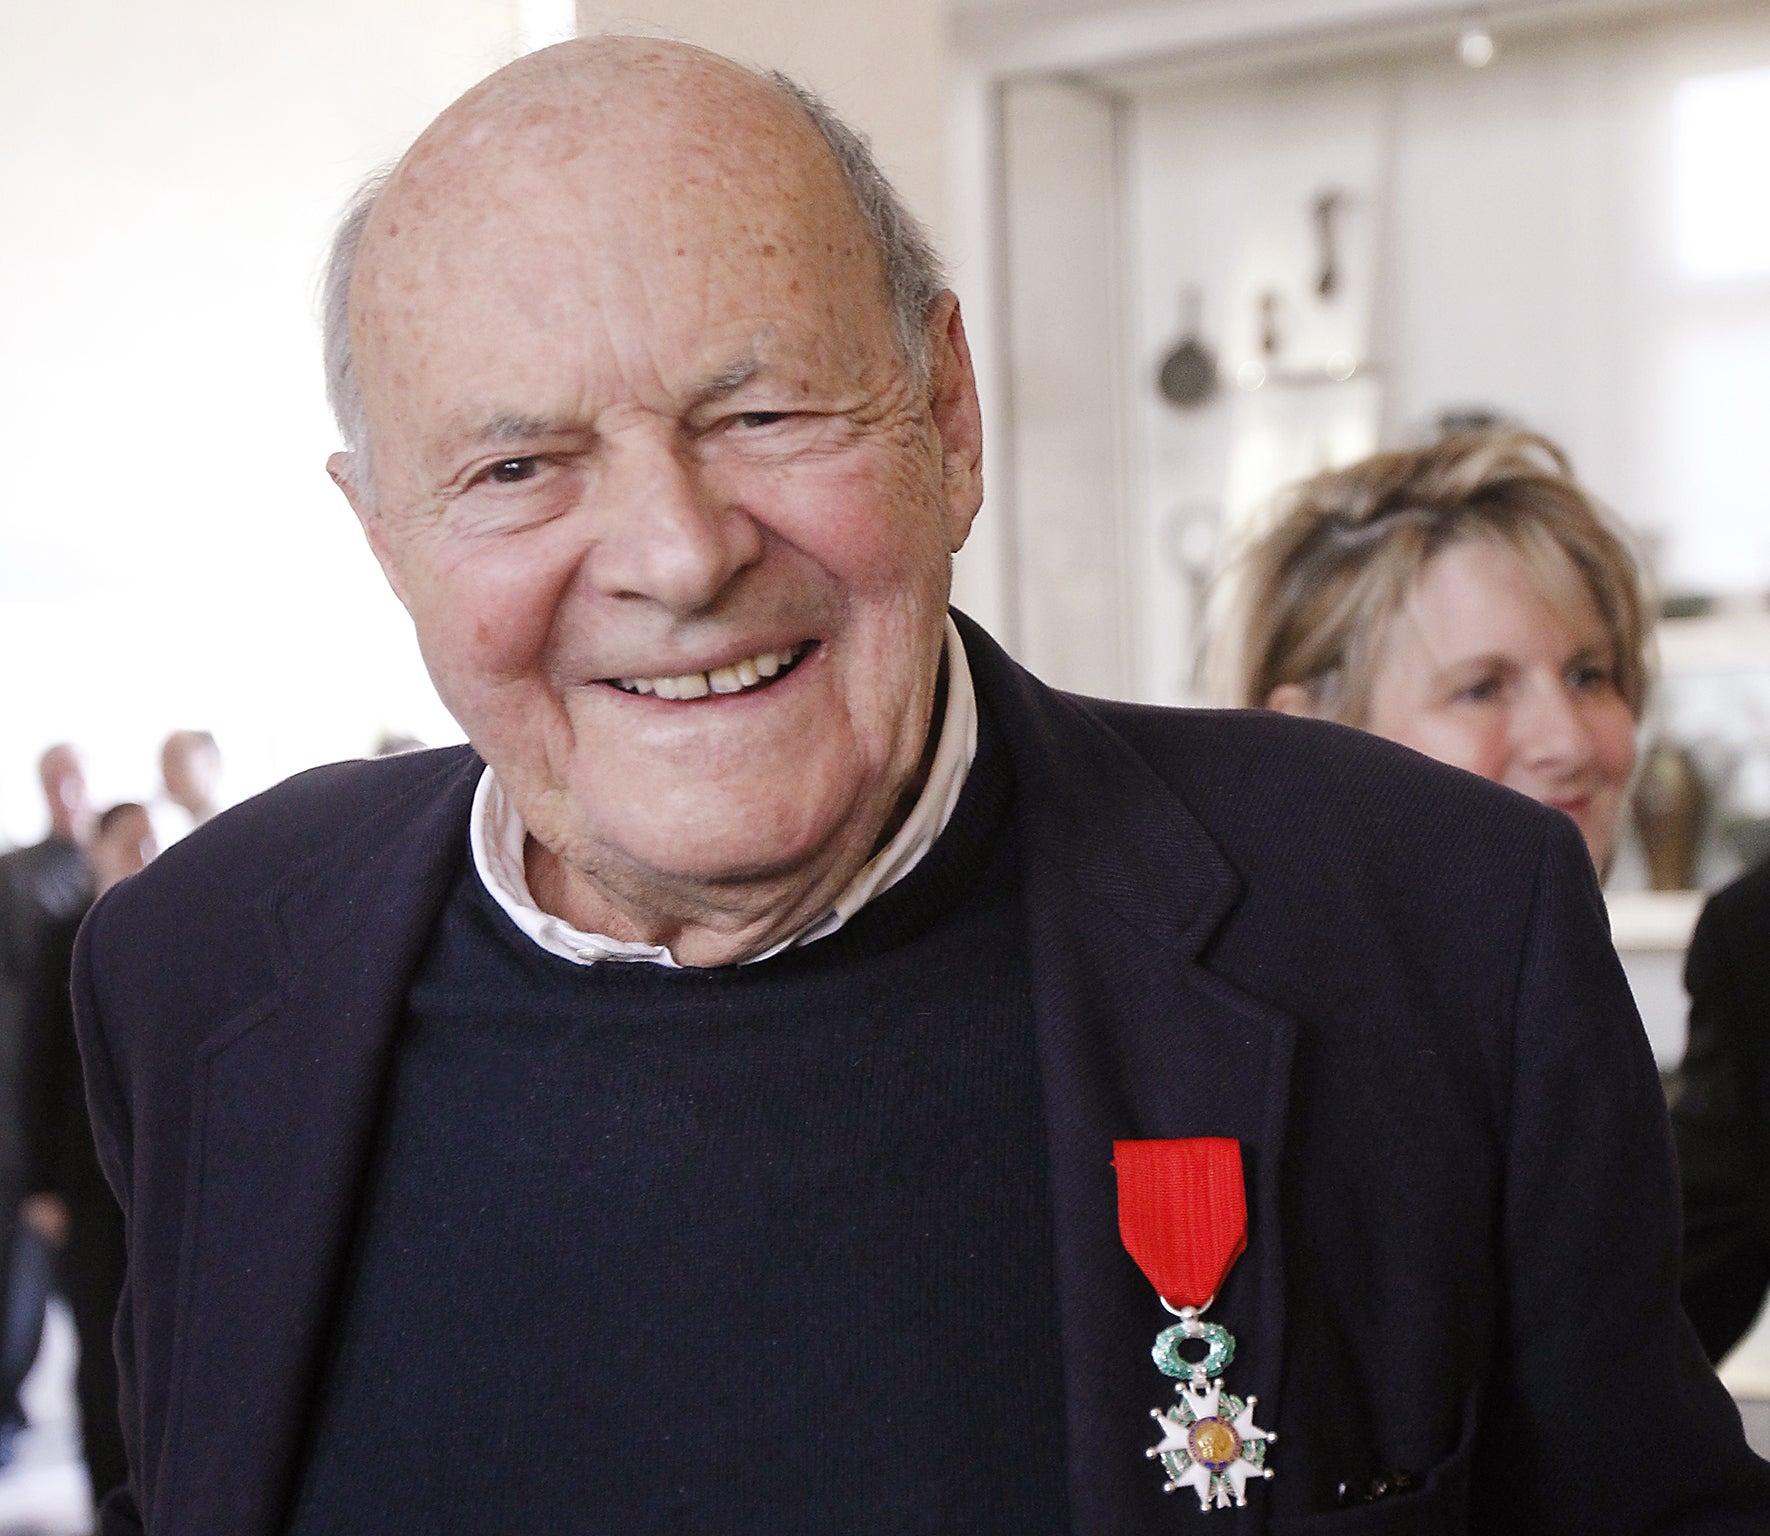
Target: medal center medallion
[1214,1443]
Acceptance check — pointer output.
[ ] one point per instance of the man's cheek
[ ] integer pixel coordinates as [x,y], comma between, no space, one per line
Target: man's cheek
[491,627]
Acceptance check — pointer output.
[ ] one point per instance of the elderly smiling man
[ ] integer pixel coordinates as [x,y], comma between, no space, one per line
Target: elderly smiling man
[773,1081]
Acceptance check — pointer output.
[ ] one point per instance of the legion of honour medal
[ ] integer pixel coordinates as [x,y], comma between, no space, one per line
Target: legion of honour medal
[1183,1216]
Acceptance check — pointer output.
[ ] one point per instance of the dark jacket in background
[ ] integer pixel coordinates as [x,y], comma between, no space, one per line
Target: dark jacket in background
[1391,981]
[61,1161]
[41,887]
[1721,1114]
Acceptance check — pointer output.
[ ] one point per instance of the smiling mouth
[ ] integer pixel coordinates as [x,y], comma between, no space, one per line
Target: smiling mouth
[744,676]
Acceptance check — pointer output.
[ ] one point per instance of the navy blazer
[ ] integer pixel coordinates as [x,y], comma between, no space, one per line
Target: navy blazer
[1391,981]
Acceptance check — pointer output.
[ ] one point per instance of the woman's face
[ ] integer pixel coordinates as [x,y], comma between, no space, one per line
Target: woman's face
[1480,669]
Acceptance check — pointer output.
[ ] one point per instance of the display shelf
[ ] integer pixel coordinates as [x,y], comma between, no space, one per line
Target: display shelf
[1729,640]
[1653,920]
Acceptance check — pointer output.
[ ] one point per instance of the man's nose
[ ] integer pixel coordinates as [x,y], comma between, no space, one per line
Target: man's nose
[666,531]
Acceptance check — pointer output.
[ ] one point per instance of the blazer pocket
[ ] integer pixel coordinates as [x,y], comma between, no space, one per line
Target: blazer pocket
[1440,1507]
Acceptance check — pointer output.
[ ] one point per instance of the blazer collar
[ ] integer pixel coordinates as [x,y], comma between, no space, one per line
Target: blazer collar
[1123,889]
[1100,813]
[285,1108]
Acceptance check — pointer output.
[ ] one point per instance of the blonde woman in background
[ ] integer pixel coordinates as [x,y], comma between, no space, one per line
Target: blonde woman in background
[1466,599]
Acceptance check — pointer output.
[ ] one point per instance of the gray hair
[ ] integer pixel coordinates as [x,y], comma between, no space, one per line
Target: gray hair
[914,276]
[342,391]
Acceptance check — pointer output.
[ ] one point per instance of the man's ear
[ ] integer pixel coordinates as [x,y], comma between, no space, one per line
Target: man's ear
[349,474]
[1294,699]
[957,417]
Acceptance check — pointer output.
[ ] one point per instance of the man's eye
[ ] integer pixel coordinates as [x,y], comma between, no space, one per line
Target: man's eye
[760,418]
[1482,691]
[509,471]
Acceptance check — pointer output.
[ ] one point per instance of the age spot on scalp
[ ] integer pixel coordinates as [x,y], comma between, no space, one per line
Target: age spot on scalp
[768,250]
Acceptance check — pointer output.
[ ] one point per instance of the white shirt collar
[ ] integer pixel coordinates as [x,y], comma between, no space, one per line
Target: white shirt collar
[497,836]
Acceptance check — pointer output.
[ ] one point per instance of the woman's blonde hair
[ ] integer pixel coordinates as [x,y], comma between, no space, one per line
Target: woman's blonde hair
[1316,591]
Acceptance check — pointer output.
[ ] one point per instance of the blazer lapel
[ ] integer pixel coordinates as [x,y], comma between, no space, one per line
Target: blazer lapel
[1137,1039]
[286,1105]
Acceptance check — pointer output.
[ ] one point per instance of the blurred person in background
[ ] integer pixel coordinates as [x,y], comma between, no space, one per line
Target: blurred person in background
[395,744]
[40,886]
[190,773]
[67,1199]
[1467,599]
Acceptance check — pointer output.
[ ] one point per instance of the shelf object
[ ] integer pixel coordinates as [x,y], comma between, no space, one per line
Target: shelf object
[1730,640]
[1653,921]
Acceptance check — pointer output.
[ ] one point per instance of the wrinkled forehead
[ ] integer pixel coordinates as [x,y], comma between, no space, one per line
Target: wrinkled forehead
[662,191]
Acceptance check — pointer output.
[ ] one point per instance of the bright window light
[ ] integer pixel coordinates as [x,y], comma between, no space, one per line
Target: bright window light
[1721,174]
[544,22]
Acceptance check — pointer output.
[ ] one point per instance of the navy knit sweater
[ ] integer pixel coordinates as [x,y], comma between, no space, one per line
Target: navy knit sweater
[764,1248]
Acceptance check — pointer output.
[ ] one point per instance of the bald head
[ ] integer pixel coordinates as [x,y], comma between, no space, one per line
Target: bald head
[62,773]
[643,112]
[190,767]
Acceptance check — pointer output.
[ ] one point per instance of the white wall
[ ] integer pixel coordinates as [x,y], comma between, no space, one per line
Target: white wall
[1070,568]
[171,552]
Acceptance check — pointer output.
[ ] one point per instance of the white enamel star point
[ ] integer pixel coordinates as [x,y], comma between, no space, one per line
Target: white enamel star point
[1174,1430]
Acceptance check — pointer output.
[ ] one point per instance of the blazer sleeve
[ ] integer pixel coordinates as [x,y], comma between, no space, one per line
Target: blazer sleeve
[1602,1413]
[120,1515]
[1718,1119]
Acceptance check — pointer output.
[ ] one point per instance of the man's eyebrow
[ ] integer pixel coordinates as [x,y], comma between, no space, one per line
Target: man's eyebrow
[728,381]
[513,427]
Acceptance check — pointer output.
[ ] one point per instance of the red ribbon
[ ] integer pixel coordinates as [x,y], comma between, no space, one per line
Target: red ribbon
[1182,1213]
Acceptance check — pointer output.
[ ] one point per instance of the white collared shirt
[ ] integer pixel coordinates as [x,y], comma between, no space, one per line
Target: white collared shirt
[497,837]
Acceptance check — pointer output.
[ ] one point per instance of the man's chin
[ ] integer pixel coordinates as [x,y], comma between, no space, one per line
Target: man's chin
[671,852]
[740,859]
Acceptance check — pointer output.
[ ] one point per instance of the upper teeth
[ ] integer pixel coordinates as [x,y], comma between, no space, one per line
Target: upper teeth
[729,679]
